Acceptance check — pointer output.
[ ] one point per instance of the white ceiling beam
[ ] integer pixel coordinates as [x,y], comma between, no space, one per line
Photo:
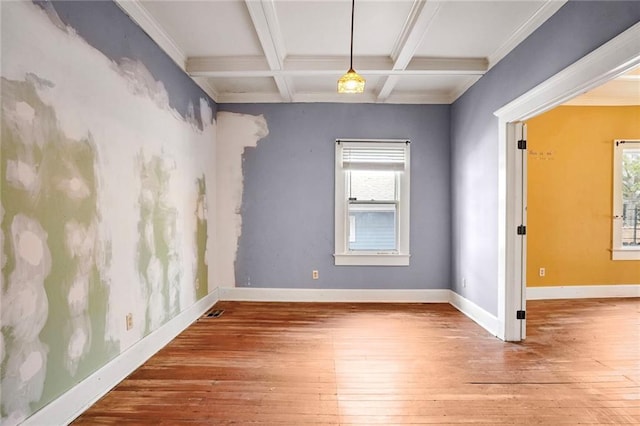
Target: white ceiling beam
[256,66]
[265,21]
[310,97]
[211,66]
[414,30]
[474,66]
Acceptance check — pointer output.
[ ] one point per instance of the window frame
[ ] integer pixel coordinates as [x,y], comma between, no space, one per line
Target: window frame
[618,251]
[342,255]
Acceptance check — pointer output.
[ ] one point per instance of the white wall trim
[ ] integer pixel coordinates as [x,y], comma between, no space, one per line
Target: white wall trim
[75,401]
[583,292]
[334,295]
[481,317]
[610,60]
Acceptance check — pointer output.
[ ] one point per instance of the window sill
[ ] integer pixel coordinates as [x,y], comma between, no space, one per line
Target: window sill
[625,254]
[373,259]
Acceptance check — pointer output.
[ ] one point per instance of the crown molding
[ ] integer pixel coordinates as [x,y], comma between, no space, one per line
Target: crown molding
[542,14]
[149,25]
[365,98]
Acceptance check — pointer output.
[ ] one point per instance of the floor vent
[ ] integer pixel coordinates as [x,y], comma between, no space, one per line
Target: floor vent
[214,313]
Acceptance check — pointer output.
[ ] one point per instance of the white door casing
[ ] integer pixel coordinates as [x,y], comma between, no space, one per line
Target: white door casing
[612,59]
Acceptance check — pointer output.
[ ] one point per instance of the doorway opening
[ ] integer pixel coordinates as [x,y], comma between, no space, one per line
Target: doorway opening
[611,60]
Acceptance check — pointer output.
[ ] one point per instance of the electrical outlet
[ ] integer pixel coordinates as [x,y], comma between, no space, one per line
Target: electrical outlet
[464,283]
[315,274]
[129,320]
[542,272]
[197,284]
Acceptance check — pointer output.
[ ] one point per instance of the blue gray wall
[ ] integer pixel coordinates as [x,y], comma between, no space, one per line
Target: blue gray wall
[575,30]
[288,199]
[98,21]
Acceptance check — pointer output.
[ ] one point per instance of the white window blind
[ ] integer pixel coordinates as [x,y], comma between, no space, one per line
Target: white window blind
[368,157]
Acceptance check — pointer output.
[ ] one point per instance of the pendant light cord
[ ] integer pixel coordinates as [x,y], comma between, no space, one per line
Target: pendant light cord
[353,5]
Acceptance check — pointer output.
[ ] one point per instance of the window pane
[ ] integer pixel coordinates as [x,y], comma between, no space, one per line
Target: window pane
[372,185]
[631,197]
[373,226]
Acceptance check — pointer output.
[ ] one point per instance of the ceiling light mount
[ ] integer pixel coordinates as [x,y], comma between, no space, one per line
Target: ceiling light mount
[351,82]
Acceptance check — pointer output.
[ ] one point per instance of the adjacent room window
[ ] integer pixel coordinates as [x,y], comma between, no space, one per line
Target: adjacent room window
[626,200]
[372,202]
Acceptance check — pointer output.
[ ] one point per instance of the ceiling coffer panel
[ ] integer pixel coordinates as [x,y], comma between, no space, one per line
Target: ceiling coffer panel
[410,51]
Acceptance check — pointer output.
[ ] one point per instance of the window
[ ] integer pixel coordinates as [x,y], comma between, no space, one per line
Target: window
[372,202]
[626,200]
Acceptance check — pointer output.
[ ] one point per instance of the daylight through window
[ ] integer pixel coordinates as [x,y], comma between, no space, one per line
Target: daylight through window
[626,202]
[372,202]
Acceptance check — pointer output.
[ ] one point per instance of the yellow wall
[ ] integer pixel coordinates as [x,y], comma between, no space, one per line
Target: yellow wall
[570,153]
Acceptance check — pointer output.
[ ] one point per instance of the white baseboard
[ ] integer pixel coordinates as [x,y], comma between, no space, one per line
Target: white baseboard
[74,402]
[483,318]
[334,295]
[583,292]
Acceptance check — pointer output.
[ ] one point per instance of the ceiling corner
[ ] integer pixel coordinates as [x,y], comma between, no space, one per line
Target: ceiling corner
[154,30]
[530,25]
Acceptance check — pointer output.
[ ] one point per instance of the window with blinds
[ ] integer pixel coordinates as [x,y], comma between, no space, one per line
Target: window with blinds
[372,202]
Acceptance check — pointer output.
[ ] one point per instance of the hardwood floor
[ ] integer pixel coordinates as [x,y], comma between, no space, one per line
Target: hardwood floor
[390,364]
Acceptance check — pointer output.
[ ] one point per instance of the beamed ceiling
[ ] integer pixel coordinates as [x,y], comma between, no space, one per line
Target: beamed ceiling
[410,51]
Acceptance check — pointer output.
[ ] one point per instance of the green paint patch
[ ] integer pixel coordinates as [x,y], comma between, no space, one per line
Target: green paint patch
[158,257]
[202,270]
[52,179]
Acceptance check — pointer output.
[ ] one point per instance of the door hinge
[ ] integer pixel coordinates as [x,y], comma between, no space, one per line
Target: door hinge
[522,230]
[521,315]
[522,144]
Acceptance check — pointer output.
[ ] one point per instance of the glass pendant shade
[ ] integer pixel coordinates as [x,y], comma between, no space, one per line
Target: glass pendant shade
[351,82]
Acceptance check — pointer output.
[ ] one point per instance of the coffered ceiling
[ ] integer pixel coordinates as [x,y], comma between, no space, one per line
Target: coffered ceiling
[410,51]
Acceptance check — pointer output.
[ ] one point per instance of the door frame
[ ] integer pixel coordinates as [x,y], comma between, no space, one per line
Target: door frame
[612,59]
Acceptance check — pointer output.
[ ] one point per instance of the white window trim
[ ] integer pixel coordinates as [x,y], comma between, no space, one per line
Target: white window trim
[618,251]
[344,257]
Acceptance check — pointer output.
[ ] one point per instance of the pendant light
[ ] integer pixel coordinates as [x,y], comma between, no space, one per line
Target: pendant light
[351,82]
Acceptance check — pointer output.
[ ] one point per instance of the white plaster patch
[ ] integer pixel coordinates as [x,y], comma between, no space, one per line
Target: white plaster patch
[80,239]
[31,366]
[30,247]
[26,301]
[24,374]
[3,257]
[154,274]
[74,188]
[15,418]
[77,344]
[141,82]
[21,175]
[235,133]
[29,244]
[78,298]
[156,310]
[25,112]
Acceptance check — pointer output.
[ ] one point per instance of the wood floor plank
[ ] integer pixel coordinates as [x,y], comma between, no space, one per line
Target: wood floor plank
[368,364]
